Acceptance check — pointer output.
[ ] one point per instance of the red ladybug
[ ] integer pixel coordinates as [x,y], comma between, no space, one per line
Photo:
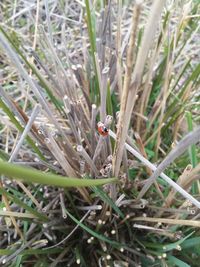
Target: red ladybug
[102,129]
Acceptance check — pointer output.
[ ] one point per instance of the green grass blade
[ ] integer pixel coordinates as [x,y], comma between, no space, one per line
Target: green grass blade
[176,262]
[183,71]
[192,149]
[100,193]
[5,252]
[31,251]
[90,30]
[35,176]
[192,79]
[4,155]
[92,39]
[109,101]
[190,243]
[175,244]
[108,200]
[18,261]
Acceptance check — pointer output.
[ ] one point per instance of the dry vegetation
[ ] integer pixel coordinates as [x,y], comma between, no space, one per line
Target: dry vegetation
[65,66]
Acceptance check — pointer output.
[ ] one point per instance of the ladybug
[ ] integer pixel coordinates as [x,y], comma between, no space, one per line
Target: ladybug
[102,129]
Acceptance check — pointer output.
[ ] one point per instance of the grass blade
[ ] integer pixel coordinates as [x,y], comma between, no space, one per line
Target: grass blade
[176,262]
[192,149]
[34,176]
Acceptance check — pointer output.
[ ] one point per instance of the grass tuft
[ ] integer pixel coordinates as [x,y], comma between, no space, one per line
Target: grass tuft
[99,133]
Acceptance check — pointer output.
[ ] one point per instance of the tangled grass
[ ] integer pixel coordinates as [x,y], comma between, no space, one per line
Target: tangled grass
[133,67]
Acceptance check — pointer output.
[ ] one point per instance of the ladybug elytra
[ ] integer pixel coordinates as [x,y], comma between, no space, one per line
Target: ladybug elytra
[102,129]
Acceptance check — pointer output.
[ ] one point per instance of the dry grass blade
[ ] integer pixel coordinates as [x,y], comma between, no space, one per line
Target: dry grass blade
[17,214]
[168,221]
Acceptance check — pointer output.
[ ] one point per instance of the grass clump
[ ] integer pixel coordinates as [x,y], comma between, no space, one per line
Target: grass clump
[92,91]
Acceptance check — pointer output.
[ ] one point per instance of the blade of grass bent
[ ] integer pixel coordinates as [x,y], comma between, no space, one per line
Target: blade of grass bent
[35,176]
